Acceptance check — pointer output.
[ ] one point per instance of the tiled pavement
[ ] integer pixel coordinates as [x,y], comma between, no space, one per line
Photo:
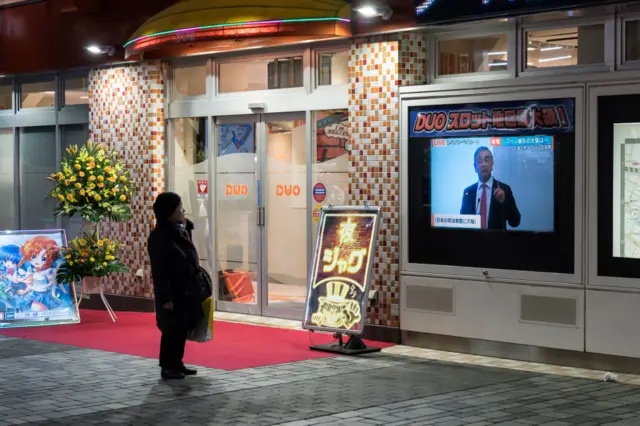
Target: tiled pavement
[49,384]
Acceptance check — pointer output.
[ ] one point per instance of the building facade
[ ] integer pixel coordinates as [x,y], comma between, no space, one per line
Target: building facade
[257,140]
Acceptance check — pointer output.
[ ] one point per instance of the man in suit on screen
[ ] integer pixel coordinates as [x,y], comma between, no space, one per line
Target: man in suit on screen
[493,201]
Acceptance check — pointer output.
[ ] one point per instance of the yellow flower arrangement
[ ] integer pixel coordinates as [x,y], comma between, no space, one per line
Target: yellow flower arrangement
[89,256]
[92,183]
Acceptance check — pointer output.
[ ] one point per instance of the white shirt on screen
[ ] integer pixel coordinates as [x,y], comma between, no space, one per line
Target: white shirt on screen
[488,187]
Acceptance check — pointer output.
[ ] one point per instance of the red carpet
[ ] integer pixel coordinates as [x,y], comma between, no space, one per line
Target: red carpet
[234,346]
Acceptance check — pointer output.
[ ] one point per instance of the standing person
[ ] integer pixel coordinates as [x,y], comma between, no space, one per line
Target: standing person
[174,260]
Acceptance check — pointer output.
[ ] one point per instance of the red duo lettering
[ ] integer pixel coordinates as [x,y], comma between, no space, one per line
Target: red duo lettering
[430,121]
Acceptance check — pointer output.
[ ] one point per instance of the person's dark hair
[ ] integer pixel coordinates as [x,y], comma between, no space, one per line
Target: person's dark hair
[478,151]
[165,205]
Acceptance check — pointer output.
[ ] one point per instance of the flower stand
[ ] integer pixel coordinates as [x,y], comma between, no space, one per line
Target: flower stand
[93,285]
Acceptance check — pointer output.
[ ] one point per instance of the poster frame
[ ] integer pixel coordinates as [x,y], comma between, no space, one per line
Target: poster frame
[375,210]
[8,325]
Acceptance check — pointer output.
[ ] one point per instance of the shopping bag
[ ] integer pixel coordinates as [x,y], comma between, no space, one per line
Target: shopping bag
[204,329]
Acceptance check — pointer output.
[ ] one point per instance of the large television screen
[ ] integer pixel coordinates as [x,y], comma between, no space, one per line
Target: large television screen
[443,11]
[492,185]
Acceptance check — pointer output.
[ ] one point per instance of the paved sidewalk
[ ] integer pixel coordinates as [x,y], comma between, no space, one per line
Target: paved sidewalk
[49,384]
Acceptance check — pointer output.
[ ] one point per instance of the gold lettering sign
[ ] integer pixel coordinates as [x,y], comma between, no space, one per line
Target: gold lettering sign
[338,286]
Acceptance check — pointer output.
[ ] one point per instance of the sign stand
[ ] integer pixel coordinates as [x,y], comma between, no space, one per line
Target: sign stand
[354,346]
[340,277]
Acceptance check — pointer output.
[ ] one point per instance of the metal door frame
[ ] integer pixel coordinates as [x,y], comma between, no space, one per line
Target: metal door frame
[261,307]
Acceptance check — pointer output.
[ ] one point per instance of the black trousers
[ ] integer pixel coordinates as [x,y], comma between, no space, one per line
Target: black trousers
[172,350]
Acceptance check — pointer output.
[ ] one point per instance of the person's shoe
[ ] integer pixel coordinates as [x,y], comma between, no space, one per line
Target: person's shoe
[188,371]
[172,375]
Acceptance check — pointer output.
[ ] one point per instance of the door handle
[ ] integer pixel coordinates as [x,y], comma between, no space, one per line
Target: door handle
[261,215]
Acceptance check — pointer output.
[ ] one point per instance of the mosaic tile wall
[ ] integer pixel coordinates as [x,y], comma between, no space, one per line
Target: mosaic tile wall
[378,66]
[126,111]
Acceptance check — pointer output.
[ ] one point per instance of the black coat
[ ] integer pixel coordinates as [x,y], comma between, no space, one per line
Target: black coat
[173,265]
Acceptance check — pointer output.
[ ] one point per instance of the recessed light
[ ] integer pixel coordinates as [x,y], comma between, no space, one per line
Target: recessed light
[94,49]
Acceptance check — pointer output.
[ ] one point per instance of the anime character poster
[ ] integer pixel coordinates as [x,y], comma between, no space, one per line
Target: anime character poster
[29,292]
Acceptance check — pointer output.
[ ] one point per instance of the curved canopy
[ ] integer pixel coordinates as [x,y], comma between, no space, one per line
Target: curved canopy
[195,21]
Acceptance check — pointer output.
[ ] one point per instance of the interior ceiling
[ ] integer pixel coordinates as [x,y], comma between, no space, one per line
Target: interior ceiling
[562,37]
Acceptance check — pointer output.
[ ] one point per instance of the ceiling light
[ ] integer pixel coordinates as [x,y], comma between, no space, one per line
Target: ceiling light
[497,53]
[94,49]
[498,64]
[98,50]
[369,11]
[557,58]
[548,49]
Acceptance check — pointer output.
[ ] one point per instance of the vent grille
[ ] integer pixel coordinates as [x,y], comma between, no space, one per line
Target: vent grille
[432,299]
[549,310]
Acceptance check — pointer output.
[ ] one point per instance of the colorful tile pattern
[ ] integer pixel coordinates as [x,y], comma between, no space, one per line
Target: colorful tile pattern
[413,59]
[126,112]
[378,66]
[374,176]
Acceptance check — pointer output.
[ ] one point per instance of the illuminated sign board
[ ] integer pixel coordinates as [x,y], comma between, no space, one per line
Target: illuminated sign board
[443,11]
[504,118]
[339,282]
[30,295]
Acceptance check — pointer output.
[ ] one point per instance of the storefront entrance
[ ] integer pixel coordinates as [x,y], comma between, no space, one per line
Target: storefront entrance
[260,217]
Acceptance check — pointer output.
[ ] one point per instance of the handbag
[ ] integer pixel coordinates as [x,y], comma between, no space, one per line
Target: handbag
[204,282]
[202,279]
[203,332]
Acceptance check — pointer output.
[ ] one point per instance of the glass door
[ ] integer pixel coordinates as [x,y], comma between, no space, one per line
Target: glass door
[284,173]
[238,219]
[261,214]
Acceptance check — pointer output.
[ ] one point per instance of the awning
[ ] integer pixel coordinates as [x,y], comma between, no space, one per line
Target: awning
[223,25]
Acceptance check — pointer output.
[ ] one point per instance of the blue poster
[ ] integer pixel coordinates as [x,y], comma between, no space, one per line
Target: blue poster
[550,116]
[236,139]
[29,292]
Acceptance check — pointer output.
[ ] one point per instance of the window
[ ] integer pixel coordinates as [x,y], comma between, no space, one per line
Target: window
[330,167]
[262,74]
[493,175]
[564,47]
[333,68]
[190,172]
[190,81]
[632,41]
[471,55]
[76,91]
[37,161]
[38,95]
[7,185]
[6,96]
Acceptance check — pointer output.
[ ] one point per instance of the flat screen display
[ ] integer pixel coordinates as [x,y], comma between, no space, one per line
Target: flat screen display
[442,11]
[618,172]
[493,183]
